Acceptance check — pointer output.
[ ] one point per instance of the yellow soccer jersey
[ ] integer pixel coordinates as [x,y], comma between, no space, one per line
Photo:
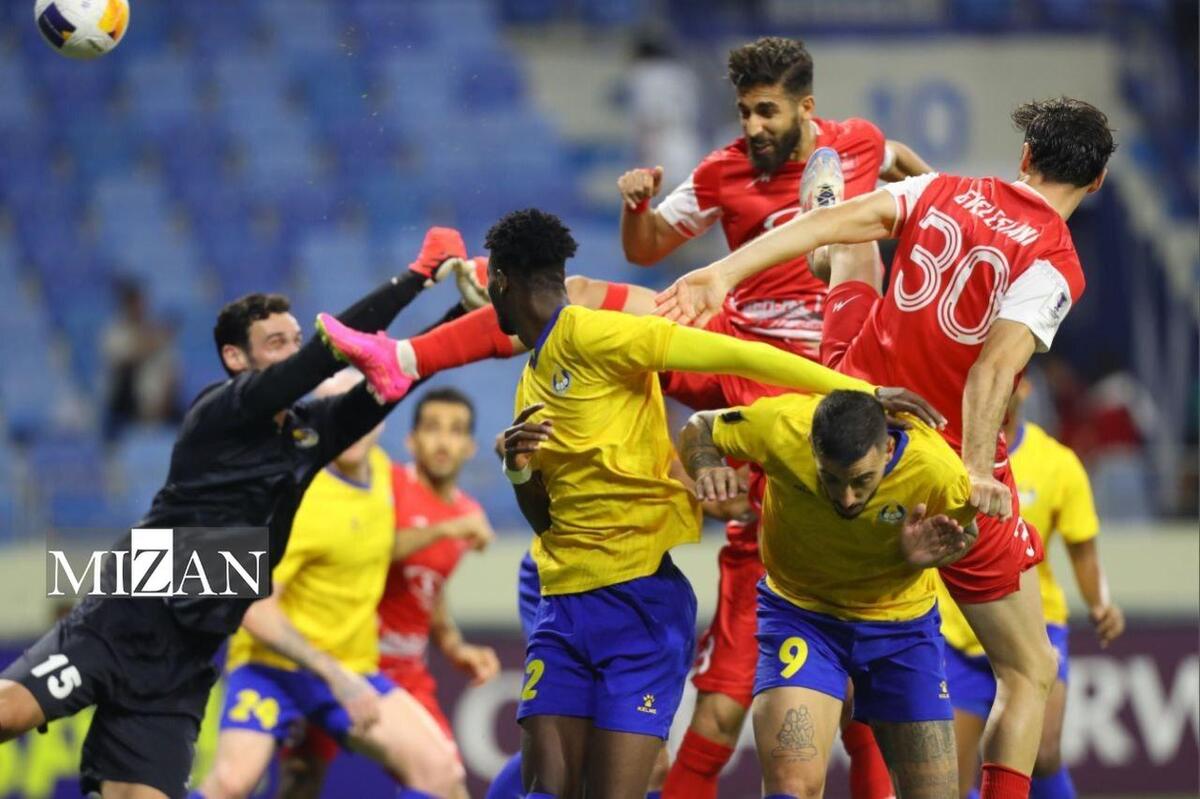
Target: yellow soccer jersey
[1056,497]
[818,560]
[614,509]
[334,570]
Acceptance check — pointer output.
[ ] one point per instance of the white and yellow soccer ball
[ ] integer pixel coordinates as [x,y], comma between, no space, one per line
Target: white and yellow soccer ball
[82,28]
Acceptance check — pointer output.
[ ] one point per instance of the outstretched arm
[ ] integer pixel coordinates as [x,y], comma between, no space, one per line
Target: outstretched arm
[695,297]
[904,162]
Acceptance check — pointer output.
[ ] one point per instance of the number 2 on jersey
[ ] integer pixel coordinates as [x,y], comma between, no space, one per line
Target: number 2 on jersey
[792,654]
[534,670]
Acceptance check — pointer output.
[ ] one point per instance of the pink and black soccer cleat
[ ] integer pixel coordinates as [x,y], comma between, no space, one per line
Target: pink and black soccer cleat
[373,354]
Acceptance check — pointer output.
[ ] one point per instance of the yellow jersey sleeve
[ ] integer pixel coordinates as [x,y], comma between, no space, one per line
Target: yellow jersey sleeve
[1077,521]
[747,432]
[621,345]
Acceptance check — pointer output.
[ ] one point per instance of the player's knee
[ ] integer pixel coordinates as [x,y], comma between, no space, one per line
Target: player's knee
[225,782]
[1037,671]
[803,783]
[718,718]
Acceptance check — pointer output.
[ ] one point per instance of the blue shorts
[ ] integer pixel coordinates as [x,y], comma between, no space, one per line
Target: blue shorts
[618,655]
[270,700]
[896,666]
[529,594]
[972,683]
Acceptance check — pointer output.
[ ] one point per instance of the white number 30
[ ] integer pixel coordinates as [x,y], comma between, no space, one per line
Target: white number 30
[62,684]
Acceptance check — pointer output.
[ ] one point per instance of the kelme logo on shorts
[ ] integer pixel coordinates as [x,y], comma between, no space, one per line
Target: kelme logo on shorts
[560,381]
[183,562]
[647,705]
[892,513]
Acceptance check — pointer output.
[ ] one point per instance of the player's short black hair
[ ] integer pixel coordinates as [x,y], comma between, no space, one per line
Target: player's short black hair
[447,394]
[770,61]
[531,245]
[847,425]
[1070,140]
[234,320]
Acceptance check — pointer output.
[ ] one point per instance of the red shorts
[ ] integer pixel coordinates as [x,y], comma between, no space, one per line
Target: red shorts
[420,685]
[992,569]
[707,392]
[1006,548]
[728,653]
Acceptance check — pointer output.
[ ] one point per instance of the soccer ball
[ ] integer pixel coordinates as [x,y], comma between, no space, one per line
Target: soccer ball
[82,28]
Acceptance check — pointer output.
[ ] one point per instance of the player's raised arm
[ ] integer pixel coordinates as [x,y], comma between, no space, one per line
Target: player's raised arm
[521,441]
[901,161]
[696,296]
[691,350]
[715,480]
[646,236]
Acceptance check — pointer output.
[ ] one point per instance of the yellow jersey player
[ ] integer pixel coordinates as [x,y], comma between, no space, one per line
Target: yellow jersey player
[590,456]
[310,651]
[854,513]
[1056,498]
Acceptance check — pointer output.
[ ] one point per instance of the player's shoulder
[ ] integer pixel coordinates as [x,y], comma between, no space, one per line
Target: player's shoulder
[850,131]
[926,451]
[717,163]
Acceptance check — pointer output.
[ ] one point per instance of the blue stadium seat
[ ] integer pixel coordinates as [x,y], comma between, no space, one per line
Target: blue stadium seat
[144,455]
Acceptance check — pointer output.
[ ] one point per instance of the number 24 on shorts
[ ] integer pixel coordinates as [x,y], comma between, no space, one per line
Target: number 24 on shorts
[792,654]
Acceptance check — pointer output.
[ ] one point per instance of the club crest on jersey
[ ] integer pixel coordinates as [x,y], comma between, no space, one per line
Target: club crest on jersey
[1027,497]
[560,381]
[892,513]
[305,437]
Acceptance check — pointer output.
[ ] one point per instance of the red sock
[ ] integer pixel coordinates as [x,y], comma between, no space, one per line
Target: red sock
[697,765]
[1001,782]
[869,778]
[470,338]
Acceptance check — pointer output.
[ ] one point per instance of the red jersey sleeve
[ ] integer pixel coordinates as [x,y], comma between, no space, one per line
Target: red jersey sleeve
[1042,295]
[907,193]
[862,147]
[695,205]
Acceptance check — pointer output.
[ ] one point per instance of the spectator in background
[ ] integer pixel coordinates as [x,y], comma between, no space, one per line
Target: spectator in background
[664,100]
[141,368]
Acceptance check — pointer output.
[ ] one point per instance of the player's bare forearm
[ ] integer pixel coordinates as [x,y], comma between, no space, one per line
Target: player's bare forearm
[1089,575]
[905,163]
[534,502]
[990,381]
[647,238]
[269,625]
[697,450]
[443,630]
[593,293]
[413,539]
[867,218]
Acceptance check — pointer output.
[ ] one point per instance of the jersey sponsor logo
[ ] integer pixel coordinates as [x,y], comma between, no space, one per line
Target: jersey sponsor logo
[1027,496]
[560,381]
[402,645]
[1056,308]
[424,583]
[305,437]
[892,513]
[647,705]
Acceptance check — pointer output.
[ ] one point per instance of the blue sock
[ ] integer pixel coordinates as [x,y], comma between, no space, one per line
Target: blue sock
[1056,786]
[507,784]
[653,794]
[540,796]
[413,793]
[780,796]
[974,794]
[195,795]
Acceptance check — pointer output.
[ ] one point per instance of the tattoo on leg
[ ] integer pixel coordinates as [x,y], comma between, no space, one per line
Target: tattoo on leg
[796,736]
[921,756]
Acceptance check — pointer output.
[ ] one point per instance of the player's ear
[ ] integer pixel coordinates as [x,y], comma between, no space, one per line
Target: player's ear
[1026,163]
[234,358]
[1098,182]
[409,444]
[808,105]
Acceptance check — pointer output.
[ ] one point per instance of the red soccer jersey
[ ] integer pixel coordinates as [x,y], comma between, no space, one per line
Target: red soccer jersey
[414,585]
[971,250]
[785,301]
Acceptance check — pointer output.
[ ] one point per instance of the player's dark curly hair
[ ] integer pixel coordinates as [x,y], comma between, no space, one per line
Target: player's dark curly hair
[531,245]
[770,61]
[846,425]
[234,321]
[1070,140]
